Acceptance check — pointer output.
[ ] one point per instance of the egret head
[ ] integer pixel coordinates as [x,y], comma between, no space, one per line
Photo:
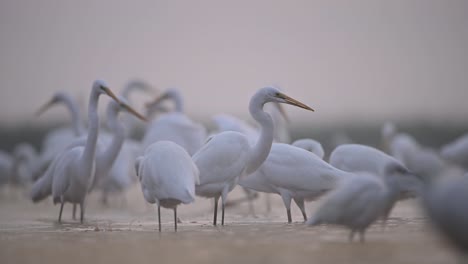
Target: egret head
[274,95]
[101,88]
[57,98]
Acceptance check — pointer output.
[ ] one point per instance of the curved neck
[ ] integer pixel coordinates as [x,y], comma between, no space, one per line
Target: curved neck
[72,106]
[259,152]
[108,156]
[178,101]
[93,131]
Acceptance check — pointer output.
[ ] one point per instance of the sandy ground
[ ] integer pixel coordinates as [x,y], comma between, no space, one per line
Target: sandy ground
[126,232]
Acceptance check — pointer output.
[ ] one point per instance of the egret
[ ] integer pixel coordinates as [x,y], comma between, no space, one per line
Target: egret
[175,126]
[295,174]
[361,158]
[444,200]
[357,201]
[457,151]
[225,122]
[420,160]
[310,145]
[73,171]
[227,156]
[168,176]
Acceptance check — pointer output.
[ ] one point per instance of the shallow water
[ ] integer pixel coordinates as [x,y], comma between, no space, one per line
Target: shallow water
[126,232]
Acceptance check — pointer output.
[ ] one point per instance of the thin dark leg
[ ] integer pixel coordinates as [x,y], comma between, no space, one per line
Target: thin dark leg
[74,212]
[361,236]
[60,214]
[215,210]
[351,236]
[300,204]
[175,218]
[288,211]
[159,217]
[222,214]
[82,211]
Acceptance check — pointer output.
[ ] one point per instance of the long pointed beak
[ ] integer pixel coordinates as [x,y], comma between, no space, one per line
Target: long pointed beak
[111,94]
[294,102]
[133,112]
[282,112]
[44,108]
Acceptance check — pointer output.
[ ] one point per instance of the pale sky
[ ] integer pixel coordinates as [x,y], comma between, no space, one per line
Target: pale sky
[370,59]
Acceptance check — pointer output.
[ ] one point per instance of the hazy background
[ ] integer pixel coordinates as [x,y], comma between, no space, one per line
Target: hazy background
[351,60]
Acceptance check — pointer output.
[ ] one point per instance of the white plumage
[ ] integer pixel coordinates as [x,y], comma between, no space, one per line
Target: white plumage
[361,158]
[293,173]
[356,203]
[229,155]
[167,175]
[310,145]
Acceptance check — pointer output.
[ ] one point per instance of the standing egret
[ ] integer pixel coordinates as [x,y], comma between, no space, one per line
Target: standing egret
[74,168]
[174,126]
[310,145]
[168,176]
[109,145]
[229,155]
[295,174]
[357,201]
[361,158]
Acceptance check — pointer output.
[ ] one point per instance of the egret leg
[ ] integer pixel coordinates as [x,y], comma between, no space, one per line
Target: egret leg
[159,217]
[61,210]
[300,204]
[215,215]
[288,212]
[82,212]
[223,202]
[222,214]
[361,236]
[74,212]
[175,218]
[351,236]
[268,202]
[287,203]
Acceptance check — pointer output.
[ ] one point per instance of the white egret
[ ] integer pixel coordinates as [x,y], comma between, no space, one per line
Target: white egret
[73,171]
[227,156]
[420,160]
[357,201]
[295,174]
[361,158]
[310,145]
[74,168]
[444,200]
[168,176]
[175,126]
[457,151]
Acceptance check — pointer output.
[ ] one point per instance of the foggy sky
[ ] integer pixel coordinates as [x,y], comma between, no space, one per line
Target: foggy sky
[348,59]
